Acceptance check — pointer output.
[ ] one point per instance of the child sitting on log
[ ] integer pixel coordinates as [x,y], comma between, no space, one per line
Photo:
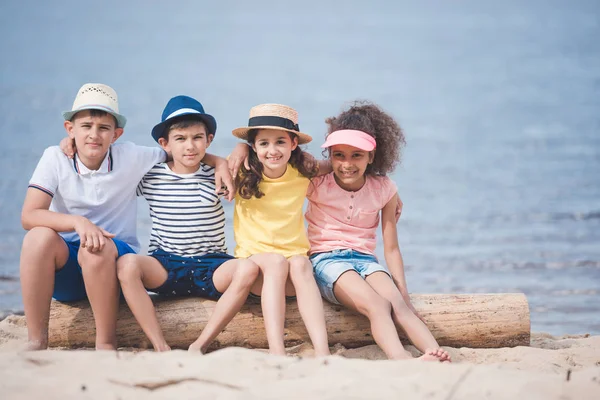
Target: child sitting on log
[269,225]
[344,211]
[187,252]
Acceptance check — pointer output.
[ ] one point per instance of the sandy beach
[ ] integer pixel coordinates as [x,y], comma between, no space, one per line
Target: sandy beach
[566,367]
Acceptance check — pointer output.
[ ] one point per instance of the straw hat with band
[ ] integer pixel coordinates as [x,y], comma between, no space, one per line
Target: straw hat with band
[96,96]
[273,116]
[351,137]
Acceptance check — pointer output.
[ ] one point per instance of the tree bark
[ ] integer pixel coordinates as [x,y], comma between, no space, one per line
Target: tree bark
[456,320]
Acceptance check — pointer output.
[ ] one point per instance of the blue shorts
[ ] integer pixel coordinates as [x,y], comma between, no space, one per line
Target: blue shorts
[190,276]
[331,265]
[68,281]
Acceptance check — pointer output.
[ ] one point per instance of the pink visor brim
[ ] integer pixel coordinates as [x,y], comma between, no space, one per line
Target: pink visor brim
[351,137]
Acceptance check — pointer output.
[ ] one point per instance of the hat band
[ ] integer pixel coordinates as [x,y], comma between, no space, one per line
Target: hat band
[183,111]
[269,120]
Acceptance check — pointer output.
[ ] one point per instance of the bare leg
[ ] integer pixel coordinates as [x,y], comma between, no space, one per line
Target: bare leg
[310,303]
[234,278]
[404,318]
[270,286]
[352,291]
[102,287]
[43,253]
[135,273]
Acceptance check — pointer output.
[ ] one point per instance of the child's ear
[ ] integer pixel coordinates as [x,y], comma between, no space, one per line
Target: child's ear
[164,143]
[294,143]
[209,139]
[118,133]
[371,156]
[69,128]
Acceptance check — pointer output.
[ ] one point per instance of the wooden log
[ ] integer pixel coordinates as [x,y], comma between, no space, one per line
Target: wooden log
[456,320]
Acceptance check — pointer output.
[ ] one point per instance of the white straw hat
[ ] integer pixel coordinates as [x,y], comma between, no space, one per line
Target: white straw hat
[96,96]
[273,116]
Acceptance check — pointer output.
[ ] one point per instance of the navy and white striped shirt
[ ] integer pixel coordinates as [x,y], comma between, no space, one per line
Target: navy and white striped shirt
[187,216]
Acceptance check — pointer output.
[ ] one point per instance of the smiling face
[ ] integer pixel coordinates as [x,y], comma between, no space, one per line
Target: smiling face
[349,165]
[93,135]
[187,145]
[274,148]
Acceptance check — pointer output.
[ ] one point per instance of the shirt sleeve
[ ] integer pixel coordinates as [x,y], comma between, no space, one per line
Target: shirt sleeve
[45,175]
[389,189]
[148,157]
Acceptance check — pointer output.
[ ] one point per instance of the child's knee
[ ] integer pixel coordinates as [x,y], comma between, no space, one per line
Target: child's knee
[100,260]
[40,236]
[276,267]
[300,267]
[376,306]
[128,268]
[247,272]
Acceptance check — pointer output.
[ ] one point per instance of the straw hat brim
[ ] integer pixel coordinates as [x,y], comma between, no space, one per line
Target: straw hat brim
[242,133]
[121,120]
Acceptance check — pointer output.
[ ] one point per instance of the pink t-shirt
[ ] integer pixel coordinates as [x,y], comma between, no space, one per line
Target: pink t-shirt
[338,219]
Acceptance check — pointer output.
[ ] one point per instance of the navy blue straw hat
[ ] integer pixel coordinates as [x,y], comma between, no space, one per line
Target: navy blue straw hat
[180,106]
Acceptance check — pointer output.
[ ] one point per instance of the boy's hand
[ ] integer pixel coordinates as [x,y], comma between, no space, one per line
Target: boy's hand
[223,182]
[237,156]
[67,145]
[92,237]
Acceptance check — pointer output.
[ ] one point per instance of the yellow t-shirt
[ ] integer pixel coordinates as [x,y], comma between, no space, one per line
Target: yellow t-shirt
[275,222]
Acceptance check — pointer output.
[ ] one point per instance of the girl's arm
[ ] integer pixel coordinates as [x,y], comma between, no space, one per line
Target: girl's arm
[393,257]
[323,166]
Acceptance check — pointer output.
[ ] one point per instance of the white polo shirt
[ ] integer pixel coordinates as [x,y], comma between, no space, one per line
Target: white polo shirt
[107,197]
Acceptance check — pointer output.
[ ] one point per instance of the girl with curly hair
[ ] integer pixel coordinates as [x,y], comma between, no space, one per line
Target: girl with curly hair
[345,208]
[269,225]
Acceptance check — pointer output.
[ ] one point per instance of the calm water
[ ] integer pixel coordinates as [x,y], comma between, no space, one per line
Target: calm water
[500,104]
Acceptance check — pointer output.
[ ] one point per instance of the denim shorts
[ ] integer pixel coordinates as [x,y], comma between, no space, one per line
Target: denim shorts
[331,265]
[68,281]
[190,276]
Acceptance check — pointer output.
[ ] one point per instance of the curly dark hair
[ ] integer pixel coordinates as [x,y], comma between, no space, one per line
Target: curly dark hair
[248,180]
[370,118]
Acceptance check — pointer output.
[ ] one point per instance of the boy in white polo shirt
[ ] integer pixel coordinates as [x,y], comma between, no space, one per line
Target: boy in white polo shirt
[81,216]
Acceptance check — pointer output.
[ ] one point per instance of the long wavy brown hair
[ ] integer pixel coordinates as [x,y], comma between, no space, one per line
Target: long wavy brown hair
[248,180]
[370,118]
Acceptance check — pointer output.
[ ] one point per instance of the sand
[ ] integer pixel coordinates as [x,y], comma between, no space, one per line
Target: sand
[563,368]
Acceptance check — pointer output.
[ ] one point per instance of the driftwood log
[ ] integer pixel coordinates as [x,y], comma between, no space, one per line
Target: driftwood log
[457,320]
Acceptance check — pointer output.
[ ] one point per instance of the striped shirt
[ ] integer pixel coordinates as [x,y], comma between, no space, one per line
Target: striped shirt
[187,216]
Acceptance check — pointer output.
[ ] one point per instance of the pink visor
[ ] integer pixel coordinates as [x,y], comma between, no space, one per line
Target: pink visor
[351,137]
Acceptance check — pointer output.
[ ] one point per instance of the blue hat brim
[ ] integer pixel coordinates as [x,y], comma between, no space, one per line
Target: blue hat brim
[211,124]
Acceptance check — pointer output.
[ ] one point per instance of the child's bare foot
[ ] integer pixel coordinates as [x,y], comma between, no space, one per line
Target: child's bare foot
[197,347]
[106,346]
[34,345]
[162,347]
[439,354]
[429,356]
[442,355]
